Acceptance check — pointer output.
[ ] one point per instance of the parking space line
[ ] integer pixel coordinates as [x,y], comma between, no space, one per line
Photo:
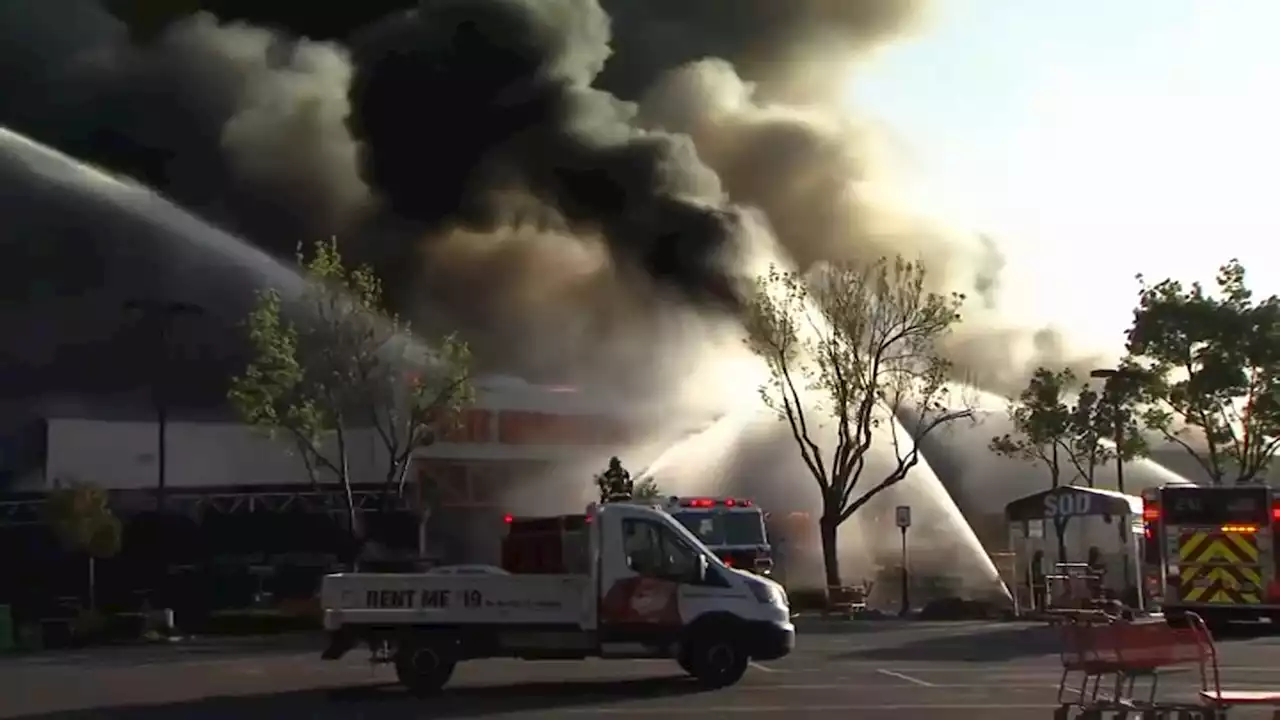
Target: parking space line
[802,687]
[664,710]
[762,668]
[992,669]
[908,678]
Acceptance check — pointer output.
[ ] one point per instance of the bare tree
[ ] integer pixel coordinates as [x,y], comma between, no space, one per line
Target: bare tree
[858,347]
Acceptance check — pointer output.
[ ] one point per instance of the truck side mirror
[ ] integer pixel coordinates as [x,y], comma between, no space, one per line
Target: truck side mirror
[702,568]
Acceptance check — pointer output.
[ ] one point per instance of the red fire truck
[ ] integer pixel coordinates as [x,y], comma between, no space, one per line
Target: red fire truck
[1212,550]
[732,528]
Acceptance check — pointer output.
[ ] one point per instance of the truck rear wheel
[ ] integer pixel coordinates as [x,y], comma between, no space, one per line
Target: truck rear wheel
[715,660]
[424,664]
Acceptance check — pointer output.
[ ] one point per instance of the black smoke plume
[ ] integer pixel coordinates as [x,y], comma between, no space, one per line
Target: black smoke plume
[492,98]
[571,182]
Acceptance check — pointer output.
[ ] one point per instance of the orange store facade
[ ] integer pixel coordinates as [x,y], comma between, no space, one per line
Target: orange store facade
[494,447]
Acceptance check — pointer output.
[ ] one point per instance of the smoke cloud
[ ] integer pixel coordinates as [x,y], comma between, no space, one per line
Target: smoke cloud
[573,182]
[788,46]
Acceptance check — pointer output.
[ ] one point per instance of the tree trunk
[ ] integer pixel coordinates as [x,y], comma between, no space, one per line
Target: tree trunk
[1060,532]
[830,559]
[424,534]
[353,526]
[93,583]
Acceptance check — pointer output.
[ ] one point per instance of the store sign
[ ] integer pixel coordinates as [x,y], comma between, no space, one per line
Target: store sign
[1067,505]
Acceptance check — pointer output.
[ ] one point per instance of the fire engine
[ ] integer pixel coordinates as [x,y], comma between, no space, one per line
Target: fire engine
[1212,550]
[732,528]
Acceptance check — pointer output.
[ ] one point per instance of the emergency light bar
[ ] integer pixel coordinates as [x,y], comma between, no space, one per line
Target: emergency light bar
[1150,515]
[712,502]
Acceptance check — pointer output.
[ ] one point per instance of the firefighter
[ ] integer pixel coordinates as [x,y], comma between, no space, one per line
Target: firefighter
[1097,573]
[615,483]
[1038,589]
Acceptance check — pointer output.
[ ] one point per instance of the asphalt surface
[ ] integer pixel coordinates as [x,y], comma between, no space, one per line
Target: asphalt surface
[872,671]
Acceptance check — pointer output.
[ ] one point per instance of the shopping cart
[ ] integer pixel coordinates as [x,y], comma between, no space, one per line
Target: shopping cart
[1100,652]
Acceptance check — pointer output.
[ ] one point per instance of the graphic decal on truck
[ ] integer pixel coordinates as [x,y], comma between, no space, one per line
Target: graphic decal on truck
[413,599]
[1219,567]
[641,600]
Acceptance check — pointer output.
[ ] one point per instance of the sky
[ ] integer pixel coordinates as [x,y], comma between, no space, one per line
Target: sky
[1094,140]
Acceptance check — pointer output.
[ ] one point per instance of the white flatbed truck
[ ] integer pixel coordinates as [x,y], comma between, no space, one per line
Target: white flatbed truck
[637,585]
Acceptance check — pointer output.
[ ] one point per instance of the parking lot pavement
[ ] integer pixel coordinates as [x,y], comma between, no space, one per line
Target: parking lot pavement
[930,672]
[184,651]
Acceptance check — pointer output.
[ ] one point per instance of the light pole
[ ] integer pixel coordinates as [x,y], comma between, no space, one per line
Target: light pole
[161,313]
[1112,395]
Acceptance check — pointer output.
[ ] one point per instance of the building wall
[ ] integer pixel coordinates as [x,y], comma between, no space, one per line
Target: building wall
[512,423]
[122,455]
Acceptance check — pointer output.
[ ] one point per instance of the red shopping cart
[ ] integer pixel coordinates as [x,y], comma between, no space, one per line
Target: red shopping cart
[1100,650]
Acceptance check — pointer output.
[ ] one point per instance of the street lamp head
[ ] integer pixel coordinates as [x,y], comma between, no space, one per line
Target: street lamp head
[1104,373]
[163,307]
[183,308]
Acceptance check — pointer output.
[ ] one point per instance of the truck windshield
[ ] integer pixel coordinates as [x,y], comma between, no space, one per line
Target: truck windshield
[697,544]
[724,528]
[1198,506]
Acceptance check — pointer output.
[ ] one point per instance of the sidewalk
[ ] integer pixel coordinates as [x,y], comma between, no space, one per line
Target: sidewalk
[188,646]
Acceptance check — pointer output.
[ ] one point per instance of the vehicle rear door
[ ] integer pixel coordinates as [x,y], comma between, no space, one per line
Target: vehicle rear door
[1221,540]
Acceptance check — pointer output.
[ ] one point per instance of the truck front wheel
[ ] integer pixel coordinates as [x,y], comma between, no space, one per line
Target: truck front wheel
[424,665]
[715,660]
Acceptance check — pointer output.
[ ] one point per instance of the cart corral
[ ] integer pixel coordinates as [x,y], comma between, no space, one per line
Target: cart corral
[1112,668]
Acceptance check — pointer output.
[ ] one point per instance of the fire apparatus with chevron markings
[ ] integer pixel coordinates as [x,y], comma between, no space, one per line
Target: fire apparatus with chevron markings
[1212,550]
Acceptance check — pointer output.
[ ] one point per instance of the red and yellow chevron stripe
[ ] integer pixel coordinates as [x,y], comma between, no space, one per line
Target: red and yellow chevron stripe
[1219,567]
[1215,546]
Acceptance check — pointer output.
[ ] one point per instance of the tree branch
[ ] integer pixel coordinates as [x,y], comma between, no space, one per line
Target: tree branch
[1206,465]
[905,463]
[799,426]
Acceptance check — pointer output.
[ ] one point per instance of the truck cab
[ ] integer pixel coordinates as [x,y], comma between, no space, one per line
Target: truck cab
[732,528]
[618,581]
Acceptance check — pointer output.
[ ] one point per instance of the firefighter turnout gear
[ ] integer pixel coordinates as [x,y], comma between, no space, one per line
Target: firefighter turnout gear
[615,483]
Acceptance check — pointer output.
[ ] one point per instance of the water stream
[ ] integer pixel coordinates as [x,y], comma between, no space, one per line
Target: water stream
[77,241]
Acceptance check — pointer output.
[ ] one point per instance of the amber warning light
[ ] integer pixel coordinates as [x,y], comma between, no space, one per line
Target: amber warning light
[1239,528]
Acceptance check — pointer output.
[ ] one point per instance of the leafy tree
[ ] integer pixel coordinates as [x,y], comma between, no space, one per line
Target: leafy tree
[1210,365]
[347,364]
[856,347]
[1068,427]
[80,516]
[647,489]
